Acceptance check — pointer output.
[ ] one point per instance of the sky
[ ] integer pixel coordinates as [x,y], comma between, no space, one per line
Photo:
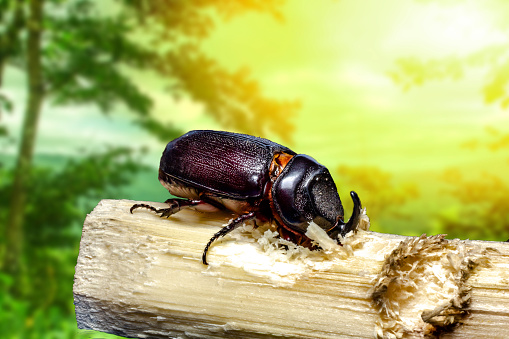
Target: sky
[335,57]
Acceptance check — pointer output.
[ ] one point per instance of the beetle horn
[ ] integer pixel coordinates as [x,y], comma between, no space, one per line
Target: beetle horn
[343,228]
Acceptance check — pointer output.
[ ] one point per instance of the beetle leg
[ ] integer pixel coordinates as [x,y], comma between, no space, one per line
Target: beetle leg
[233,224]
[175,206]
[135,206]
[297,238]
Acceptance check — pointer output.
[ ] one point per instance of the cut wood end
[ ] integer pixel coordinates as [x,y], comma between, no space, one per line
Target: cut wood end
[422,288]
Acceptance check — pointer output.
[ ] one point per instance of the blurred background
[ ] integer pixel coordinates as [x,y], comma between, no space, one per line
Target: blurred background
[406,102]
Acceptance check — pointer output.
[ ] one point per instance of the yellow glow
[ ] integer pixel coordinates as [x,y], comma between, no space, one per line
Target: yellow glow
[464,29]
[335,57]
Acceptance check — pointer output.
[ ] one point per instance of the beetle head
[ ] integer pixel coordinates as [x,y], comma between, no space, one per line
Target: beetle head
[304,192]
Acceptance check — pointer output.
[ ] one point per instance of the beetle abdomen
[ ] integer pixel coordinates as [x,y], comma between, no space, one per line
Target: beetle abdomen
[178,188]
[227,164]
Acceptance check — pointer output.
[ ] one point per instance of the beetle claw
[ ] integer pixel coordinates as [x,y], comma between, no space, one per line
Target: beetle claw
[175,206]
[162,212]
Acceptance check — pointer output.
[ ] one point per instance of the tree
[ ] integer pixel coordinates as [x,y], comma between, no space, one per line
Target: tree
[74,54]
[34,69]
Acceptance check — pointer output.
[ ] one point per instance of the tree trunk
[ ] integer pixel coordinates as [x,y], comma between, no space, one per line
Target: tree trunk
[2,65]
[9,39]
[14,227]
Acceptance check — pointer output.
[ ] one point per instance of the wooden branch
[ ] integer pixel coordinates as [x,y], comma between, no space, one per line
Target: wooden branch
[141,276]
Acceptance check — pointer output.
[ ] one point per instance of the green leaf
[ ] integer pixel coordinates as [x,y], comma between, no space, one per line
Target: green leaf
[5,104]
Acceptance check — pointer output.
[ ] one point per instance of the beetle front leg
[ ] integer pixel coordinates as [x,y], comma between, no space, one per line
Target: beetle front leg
[233,224]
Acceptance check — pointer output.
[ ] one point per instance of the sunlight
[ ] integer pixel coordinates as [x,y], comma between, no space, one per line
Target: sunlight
[465,28]
[436,30]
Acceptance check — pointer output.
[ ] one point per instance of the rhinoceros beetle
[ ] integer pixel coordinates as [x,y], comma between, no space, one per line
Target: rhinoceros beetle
[255,178]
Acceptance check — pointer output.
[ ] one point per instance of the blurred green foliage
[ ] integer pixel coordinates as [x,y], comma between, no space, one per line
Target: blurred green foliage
[81,52]
[21,320]
[481,197]
[41,298]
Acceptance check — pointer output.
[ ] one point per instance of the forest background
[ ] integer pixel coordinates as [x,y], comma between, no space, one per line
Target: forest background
[405,102]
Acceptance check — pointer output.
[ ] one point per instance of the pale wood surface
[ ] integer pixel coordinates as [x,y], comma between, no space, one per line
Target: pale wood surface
[141,276]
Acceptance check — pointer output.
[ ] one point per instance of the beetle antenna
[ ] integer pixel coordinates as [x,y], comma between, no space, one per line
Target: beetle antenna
[340,227]
[233,224]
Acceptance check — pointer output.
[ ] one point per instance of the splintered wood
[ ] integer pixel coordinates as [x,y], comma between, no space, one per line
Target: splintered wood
[141,276]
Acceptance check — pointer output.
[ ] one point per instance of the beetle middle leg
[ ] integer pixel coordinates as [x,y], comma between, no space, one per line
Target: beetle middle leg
[233,224]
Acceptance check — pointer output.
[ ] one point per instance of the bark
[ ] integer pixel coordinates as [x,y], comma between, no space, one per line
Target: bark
[14,231]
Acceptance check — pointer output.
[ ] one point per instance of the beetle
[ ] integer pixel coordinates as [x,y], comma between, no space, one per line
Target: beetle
[255,178]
